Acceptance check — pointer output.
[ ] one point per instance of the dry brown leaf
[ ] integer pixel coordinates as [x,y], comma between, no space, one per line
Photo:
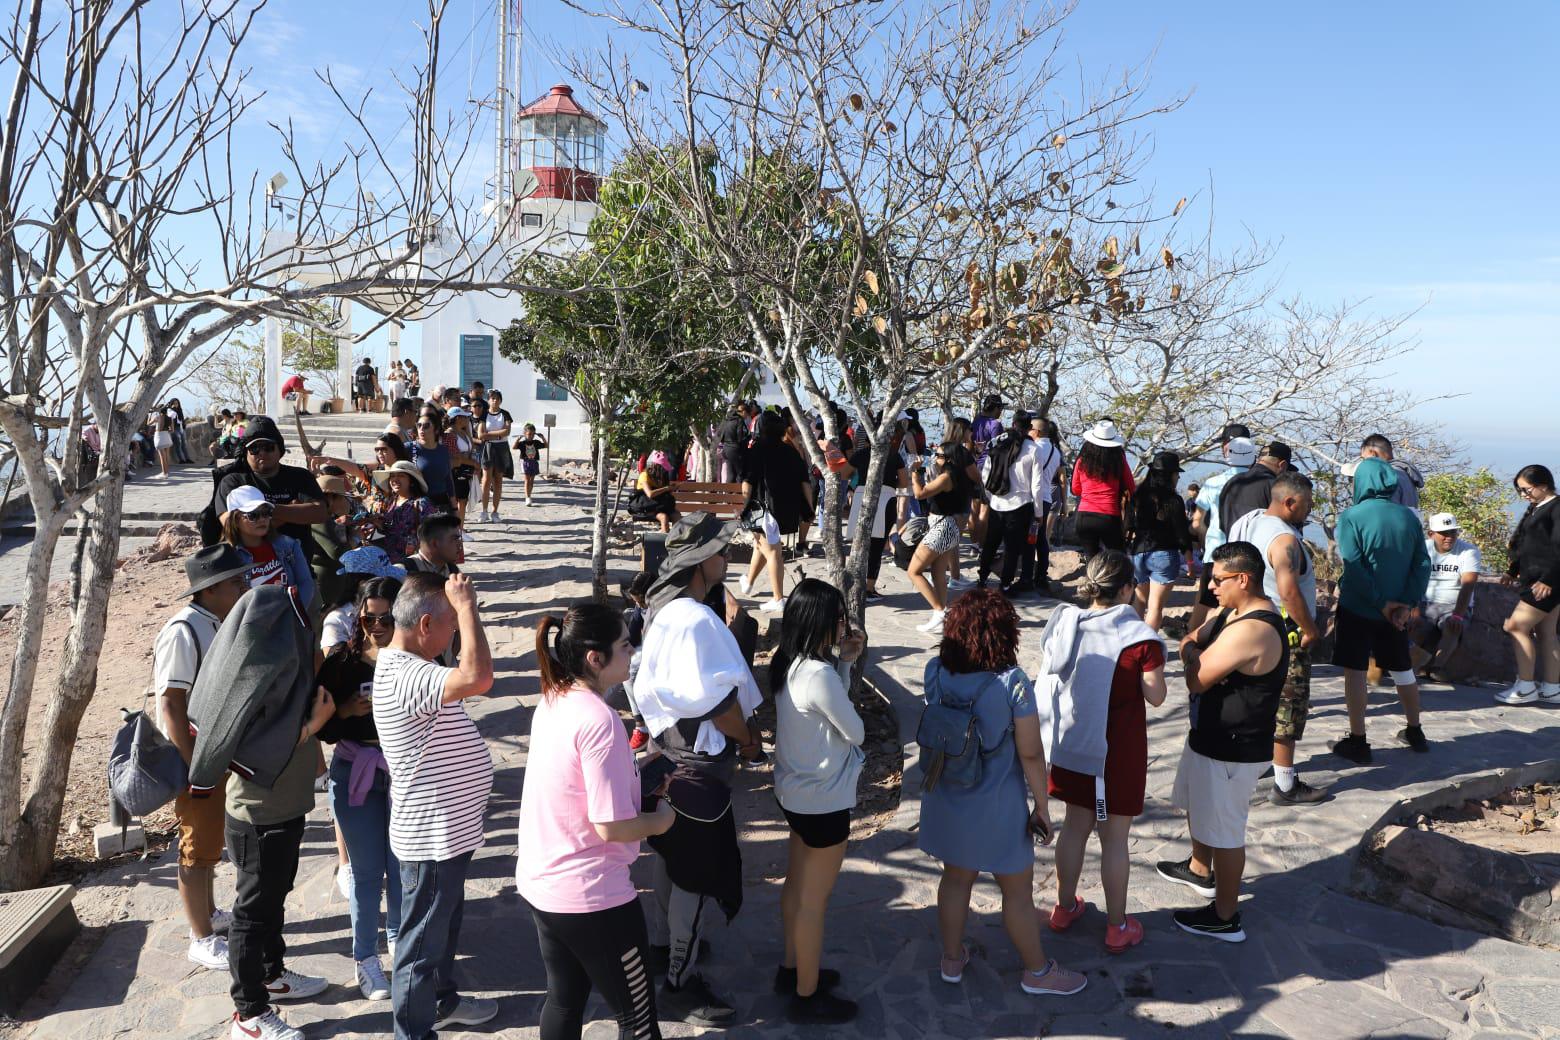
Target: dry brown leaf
[1059,141]
[774,316]
[890,125]
[857,102]
[1179,206]
[870,277]
[880,324]
[1168,257]
[1112,248]
[1175,293]
[860,310]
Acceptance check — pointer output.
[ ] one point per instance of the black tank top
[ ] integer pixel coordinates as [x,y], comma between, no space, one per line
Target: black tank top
[1233,720]
[953,502]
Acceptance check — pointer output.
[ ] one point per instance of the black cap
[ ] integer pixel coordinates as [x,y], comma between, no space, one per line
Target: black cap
[1166,462]
[263,428]
[1278,450]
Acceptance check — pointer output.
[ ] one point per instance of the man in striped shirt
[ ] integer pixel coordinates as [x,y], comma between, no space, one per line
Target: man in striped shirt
[440,778]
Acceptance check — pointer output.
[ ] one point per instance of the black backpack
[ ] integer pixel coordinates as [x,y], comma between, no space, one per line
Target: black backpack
[1004,450]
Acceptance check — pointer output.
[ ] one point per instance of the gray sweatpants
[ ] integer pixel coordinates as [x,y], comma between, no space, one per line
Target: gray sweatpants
[684,916]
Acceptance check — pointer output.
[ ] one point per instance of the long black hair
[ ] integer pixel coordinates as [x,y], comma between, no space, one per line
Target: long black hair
[373,588]
[1536,476]
[956,463]
[1100,462]
[583,628]
[812,617]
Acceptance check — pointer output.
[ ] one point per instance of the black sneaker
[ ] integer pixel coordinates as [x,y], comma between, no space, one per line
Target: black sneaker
[1180,871]
[1353,747]
[693,1003]
[821,1009]
[1300,793]
[1207,921]
[1414,737]
[785,980]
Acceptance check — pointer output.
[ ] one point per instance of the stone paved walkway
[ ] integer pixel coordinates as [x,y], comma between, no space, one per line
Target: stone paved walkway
[1318,965]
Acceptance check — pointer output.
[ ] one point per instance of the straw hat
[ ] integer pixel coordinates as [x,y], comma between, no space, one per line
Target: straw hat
[382,476]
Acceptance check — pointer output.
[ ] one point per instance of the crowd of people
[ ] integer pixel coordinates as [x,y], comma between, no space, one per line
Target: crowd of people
[329,607]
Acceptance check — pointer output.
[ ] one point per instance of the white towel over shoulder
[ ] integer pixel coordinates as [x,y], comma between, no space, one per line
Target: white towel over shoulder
[689,664]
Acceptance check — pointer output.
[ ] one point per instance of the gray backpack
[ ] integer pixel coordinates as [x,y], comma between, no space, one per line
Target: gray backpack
[949,737]
[145,770]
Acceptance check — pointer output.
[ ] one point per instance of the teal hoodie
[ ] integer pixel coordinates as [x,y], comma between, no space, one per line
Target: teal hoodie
[1382,546]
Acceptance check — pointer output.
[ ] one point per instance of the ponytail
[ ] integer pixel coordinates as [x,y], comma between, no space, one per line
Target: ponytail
[563,646]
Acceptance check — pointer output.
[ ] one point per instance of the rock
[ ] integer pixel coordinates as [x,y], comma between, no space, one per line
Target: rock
[109,840]
[1455,883]
[175,539]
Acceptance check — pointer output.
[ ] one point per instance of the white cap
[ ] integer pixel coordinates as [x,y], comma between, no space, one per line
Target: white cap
[1442,522]
[244,499]
[1242,451]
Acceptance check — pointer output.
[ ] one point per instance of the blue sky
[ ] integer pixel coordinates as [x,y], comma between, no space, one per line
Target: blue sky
[1402,153]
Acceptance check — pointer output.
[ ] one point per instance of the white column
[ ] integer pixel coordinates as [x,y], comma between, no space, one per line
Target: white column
[395,344]
[346,360]
[271,394]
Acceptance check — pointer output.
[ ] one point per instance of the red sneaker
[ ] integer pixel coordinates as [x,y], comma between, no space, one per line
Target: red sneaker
[1062,918]
[1120,940]
[638,739]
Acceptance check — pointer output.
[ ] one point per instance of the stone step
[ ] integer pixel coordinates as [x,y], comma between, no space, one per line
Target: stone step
[36,925]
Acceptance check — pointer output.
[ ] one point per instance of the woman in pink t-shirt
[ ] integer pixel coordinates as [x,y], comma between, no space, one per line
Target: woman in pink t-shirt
[580,828]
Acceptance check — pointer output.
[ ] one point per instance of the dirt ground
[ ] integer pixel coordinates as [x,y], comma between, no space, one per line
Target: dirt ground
[1524,820]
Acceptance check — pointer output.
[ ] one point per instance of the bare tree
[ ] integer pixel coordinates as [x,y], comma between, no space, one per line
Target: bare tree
[892,194]
[115,155]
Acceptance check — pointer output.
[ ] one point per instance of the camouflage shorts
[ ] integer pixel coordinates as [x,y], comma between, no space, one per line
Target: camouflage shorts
[1296,702]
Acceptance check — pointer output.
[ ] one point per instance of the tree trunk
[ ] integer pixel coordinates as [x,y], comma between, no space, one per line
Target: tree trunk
[708,459]
[76,683]
[599,528]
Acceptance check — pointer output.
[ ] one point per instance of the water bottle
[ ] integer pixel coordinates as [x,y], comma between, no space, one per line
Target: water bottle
[1034,532]
[349,450]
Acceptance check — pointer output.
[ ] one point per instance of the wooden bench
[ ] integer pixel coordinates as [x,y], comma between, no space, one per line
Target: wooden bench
[694,496]
[722,500]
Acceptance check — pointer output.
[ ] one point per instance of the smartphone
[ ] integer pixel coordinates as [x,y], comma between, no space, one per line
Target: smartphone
[1040,831]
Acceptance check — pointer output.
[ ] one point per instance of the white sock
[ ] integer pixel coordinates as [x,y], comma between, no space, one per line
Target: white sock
[1283,777]
[1525,685]
[1549,689]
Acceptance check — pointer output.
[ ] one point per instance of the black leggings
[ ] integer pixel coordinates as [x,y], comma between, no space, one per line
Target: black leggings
[606,950]
[1096,531]
[875,558]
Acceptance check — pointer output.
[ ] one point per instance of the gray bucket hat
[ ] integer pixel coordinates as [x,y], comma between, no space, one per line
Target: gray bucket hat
[212,565]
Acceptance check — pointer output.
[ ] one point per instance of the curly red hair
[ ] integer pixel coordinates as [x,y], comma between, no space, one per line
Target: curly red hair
[980,633]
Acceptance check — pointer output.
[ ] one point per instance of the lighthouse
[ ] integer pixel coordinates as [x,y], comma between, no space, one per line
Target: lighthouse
[559,143]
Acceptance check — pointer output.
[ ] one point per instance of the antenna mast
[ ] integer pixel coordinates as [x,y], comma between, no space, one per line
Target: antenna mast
[501,200]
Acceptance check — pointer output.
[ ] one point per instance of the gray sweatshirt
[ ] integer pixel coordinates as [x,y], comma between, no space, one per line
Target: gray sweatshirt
[818,737]
[254,690]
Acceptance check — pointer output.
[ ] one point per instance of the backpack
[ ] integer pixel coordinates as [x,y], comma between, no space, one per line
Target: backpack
[209,523]
[949,738]
[145,769]
[1003,451]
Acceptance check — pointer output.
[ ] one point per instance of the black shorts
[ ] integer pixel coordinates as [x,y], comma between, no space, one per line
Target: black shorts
[1359,638]
[1205,596]
[1548,603]
[819,830]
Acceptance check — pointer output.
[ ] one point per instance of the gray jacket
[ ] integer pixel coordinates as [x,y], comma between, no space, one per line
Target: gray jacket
[254,690]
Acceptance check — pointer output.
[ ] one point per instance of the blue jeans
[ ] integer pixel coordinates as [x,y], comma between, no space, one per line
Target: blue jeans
[422,984]
[366,829]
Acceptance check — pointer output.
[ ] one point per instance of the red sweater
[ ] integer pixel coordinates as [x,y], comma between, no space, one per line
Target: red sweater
[1101,496]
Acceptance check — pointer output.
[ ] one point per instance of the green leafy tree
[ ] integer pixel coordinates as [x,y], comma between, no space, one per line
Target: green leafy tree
[625,334]
[1480,501]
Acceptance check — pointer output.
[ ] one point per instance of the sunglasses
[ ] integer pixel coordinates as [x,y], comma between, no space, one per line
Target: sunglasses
[257,515]
[259,447]
[1217,580]
[375,620]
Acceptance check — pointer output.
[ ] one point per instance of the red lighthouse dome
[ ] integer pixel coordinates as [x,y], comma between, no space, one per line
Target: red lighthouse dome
[561,143]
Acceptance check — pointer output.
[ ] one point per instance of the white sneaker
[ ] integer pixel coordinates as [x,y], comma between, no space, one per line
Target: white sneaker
[1523,691]
[344,881]
[268,1026]
[774,606]
[289,985]
[371,979]
[934,625]
[210,952]
[744,586]
[390,944]
[529,502]
[221,920]
[1549,691]
[482,517]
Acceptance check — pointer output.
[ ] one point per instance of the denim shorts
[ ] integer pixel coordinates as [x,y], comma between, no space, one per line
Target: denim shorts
[1161,567]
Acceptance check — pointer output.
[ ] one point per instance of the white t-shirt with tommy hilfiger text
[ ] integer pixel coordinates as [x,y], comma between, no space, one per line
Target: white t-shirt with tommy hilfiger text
[178,654]
[1447,569]
[440,769]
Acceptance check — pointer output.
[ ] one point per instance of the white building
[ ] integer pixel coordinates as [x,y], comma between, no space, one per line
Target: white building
[560,146]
